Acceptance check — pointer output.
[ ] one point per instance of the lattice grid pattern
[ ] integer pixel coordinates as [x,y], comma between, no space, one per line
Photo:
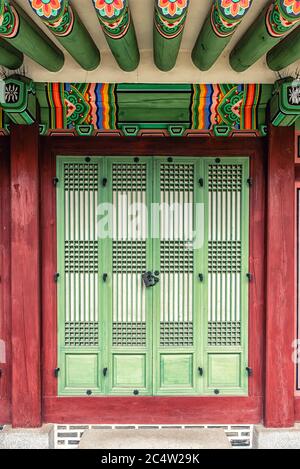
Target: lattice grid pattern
[81,253]
[176,177]
[225,177]
[225,197]
[81,257]
[129,256]
[129,334]
[129,177]
[176,256]
[224,256]
[175,334]
[81,334]
[224,333]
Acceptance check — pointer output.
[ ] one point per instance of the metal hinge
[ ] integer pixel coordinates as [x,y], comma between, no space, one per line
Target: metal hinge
[105,370]
[201,277]
[55,181]
[249,371]
[104,182]
[250,182]
[201,371]
[249,276]
[56,277]
[56,372]
[201,182]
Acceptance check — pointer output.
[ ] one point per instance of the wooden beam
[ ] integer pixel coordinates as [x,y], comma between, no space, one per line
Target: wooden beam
[280,369]
[273,23]
[117,25]
[286,52]
[217,31]
[69,30]
[10,57]
[20,31]
[169,23]
[25,277]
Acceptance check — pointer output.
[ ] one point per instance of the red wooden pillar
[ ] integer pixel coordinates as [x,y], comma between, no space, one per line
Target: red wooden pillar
[279,391]
[25,277]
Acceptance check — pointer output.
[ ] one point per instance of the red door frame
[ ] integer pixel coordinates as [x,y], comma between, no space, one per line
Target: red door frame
[163,410]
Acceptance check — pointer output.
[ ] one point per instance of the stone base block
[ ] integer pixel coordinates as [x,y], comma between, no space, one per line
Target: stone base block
[276,438]
[33,438]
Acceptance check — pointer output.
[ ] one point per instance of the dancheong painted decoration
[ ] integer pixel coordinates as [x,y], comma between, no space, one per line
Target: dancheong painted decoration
[275,21]
[220,25]
[20,32]
[169,21]
[117,25]
[62,20]
[132,109]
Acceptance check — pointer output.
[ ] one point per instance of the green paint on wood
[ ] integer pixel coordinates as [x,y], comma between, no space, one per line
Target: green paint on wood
[69,30]
[217,31]
[285,103]
[169,22]
[10,57]
[286,52]
[20,31]
[274,22]
[183,336]
[20,100]
[117,25]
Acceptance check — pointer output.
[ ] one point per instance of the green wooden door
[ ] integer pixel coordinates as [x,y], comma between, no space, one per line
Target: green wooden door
[187,334]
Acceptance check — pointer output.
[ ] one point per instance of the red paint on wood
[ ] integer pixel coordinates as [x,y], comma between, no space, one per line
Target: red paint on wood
[153,409]
[25,277]
[5,293]
[297,409]
[279,393]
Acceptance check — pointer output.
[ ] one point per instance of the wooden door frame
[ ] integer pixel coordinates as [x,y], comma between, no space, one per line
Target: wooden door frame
[171,410]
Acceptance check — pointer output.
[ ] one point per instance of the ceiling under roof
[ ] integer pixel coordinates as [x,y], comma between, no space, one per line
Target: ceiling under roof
[184,71]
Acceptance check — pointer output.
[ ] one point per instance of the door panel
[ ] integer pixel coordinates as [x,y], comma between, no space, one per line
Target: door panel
[131,313]
[175,341]
[187,333]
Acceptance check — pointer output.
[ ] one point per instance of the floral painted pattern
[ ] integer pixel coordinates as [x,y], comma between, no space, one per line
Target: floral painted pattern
[292,6]
[109,8]
[235,8]
[173,7]
[46,8]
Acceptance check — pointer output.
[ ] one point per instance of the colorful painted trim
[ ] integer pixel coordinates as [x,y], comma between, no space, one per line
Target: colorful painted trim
[282,16]
[104,107]
[9,20]
[114,17]
[170,17]
[57,15]
[226,15]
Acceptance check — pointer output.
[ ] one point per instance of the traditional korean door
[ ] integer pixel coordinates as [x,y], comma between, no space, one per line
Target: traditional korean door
[153,263]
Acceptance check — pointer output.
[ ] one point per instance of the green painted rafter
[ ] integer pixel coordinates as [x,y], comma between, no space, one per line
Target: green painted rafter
[286,52]
[21,32]
[169,22]
[273,23]
[10,57]
[217,31]
[116,22]
[63,21]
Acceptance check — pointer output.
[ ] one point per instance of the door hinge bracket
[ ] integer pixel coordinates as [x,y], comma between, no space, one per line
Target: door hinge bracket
[105,277]
[56,372]
[201,371]
[201,182]
[250,182]
[249,276]
[249,371]
[55,181]
[104,182]
[105,370]
[201,277]
[56,277]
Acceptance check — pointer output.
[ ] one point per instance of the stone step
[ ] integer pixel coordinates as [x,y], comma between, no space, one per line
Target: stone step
[165,438]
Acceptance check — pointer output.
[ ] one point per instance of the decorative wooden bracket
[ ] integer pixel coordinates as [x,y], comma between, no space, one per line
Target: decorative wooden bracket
[20,103]
[169,23]
[117,25]
[274,22]
[285,103]
[217,31]
[69,30]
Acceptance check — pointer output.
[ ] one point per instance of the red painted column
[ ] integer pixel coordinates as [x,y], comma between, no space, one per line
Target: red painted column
[25,277]
[279,390]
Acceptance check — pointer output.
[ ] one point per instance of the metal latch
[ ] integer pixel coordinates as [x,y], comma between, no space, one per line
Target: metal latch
[56,372]
[150,279]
